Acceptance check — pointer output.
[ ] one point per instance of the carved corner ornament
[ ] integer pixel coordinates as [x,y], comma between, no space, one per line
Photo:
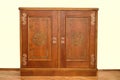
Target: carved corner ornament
[93,18]
[24,16]
[24,59]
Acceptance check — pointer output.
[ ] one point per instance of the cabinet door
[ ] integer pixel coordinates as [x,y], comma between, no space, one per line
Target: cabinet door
[78,39]
[38,39]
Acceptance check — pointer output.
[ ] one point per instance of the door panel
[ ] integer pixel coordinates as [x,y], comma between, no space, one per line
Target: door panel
[39,38]
[76,31]
[77,39]
[41,28]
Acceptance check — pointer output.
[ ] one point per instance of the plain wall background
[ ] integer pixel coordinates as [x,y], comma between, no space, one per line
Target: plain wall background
[108,29]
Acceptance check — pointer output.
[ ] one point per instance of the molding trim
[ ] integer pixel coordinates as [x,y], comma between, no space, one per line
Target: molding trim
[108,69]
[9,69]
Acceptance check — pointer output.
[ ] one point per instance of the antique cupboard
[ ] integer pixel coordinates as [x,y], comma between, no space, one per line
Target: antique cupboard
[58,41]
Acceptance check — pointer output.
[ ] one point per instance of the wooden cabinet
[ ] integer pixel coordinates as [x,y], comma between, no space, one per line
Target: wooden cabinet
[58,41]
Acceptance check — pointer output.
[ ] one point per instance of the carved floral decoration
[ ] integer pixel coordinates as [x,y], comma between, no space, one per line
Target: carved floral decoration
[93,18]
[39,38]
[76,38]
[24,59]
[24,16]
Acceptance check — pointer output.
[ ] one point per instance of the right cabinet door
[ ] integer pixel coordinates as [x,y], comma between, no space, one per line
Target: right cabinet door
[78,39]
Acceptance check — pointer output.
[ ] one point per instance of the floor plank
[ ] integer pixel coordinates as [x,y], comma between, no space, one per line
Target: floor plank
[102,75]
[109,75]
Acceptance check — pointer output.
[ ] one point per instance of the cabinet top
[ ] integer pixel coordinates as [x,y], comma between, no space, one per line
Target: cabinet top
[41,8]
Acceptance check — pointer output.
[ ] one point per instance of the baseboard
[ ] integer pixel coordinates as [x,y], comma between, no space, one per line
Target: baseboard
[108,69]
[9,69]
[58,72]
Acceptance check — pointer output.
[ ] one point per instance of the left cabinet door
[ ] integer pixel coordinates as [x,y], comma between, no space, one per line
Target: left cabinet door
[38,39]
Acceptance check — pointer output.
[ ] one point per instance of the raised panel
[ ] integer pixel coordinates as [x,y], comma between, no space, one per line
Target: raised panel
[77,39]
[39,38]
[77,42]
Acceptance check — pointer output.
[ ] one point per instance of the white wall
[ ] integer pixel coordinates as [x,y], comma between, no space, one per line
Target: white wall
[108,29]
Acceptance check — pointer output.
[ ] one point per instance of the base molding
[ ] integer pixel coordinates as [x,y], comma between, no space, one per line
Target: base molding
[57,72]
[9,69]
[109,69]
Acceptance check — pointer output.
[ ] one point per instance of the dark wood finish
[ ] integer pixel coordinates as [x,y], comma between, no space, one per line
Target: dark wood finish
[58,41]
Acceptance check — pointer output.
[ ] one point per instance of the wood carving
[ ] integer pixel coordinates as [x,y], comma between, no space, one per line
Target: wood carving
[24,16]
[24,59]
[93,18]
[76,38]
[76,35]
[38,30]
[39,38]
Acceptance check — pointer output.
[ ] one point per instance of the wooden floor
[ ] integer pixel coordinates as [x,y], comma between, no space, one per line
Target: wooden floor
[102,75]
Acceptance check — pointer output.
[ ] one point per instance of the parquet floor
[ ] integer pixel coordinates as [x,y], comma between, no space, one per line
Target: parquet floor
[102,75]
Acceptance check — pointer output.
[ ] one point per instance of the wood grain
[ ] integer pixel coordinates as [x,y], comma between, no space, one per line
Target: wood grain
[58,72]
[57,38]
[102,75]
